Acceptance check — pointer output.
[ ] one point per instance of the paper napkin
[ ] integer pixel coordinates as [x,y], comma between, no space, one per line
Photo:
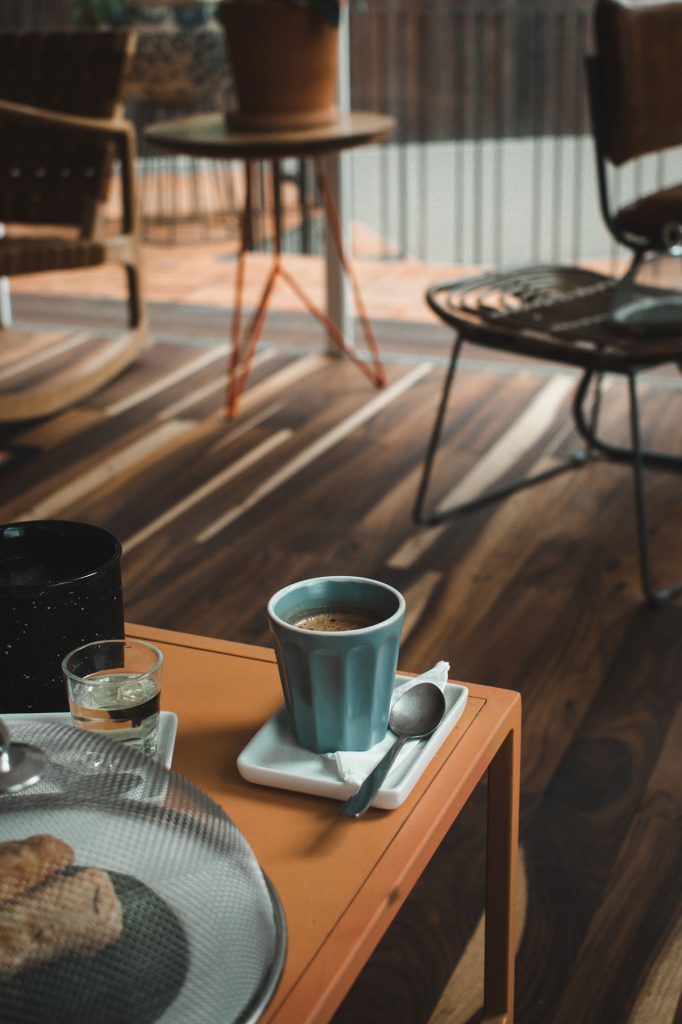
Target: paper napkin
[355,765]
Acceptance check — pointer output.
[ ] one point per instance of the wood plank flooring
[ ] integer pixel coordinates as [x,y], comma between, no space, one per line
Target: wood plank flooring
[538,593]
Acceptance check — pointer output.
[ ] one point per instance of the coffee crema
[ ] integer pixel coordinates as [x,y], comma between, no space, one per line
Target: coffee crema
[336,620]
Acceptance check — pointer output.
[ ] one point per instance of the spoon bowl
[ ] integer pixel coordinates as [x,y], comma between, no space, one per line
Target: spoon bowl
[414,716]
[418,712]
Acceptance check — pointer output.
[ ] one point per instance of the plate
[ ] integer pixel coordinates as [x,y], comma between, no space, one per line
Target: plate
[168,727]
[206,939]
[274,758]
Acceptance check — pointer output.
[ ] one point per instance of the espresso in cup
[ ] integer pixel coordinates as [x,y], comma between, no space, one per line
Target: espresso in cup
[336,620]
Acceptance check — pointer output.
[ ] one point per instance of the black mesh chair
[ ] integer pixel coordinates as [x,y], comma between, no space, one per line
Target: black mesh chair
[560,314]
[566,314]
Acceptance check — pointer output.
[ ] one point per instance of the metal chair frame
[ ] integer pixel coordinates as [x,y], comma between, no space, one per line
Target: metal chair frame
[586,426]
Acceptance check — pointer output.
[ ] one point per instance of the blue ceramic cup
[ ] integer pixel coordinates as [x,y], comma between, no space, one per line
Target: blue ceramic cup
[337,682]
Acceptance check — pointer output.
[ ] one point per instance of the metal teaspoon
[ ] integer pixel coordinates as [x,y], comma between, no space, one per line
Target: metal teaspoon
[414,716]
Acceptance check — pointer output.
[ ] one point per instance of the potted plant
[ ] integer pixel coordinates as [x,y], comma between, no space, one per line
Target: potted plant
[284,60]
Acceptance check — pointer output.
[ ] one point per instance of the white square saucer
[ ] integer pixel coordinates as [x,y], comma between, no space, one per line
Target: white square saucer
[274,758]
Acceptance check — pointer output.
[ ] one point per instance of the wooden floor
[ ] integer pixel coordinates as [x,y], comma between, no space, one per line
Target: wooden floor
[538,593]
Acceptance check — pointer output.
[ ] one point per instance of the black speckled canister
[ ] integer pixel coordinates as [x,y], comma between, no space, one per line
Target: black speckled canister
[60,586]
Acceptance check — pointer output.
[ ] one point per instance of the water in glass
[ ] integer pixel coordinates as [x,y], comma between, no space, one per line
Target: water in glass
[123,706]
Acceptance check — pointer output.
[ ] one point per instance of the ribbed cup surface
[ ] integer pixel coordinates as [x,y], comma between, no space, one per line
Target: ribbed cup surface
[338,685]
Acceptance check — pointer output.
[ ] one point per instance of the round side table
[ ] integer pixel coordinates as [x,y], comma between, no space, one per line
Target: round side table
[207,135]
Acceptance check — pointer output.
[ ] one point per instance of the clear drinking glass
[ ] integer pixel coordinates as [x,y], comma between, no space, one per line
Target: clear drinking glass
[114,688]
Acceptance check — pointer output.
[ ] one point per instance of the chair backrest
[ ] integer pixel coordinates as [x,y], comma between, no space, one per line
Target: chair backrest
[639,52]
[47,178]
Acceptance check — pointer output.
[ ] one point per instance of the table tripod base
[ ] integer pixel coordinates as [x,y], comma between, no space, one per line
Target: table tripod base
[244,343]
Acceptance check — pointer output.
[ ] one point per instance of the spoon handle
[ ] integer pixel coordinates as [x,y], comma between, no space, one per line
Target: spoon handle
[358,803]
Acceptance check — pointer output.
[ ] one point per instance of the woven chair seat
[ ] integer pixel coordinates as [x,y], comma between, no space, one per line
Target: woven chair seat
[30,255]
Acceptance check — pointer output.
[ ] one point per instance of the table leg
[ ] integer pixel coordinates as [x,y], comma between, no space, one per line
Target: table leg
[334,226]
[338,294]
[236,328]
[241,358]
[502,853]
[243,348]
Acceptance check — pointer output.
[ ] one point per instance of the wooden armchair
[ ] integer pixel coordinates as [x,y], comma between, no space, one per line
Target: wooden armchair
[61,129]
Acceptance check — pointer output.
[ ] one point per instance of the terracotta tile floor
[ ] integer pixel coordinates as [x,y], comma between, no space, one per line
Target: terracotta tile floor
[203,274]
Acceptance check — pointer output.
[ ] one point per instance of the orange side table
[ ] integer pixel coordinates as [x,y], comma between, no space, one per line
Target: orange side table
[222,693]
[206,135]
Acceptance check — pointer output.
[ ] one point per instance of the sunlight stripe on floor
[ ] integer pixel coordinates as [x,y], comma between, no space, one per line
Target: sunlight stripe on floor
[277,382]
[261,391]
[282,379]
[417,597]
[45,354]
[167,381]
[214,484]
[246,425]
[315,450]
[658,999]
[218,383]
[119,462]
[28,343]
[521,436]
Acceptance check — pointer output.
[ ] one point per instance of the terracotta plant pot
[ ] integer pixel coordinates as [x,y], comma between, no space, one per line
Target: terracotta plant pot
[284,60]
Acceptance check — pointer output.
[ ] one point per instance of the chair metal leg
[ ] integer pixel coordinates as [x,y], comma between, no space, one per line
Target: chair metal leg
[653,596]
[635,455]
[419,515]
[661,460]
[431,519]
[578,403]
